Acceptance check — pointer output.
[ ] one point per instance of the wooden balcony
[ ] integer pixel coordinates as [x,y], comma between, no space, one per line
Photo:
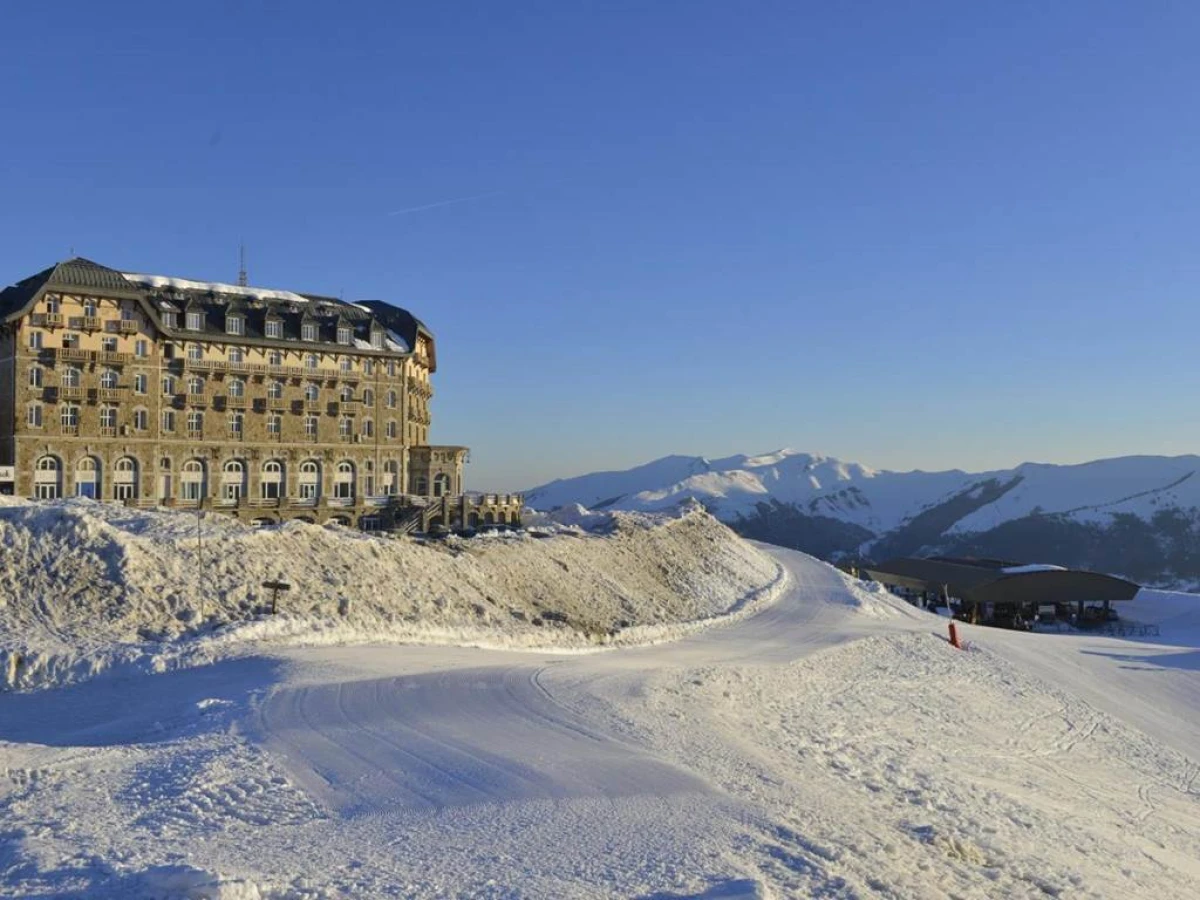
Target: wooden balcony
[276,403]
[235,402]
[314,406]
[126,326]
[73,354]
[112,358]
[89,323]
[71,393]
[112,393]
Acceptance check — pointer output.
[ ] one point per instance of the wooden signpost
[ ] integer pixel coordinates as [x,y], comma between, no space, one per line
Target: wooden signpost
[276,586]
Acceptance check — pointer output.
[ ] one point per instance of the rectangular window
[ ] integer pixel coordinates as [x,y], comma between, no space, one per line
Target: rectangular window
[108,344]
[343,335]
[391,368]
[195,352]
[233,325]
[34,417]
[346,364]
[35,377]
[169,320]
[141,419]
[141,383]
[128,314]
[69,417]
[310,426]
[168,384]
[70,341]
[377,340]
[194,321]
[235,425]
[273,424]
[311,361]
[276,358]
[274,329]
[35,340]
[141,349]
[368,367]
[168,420]
[108,417]
[308,332]
[195,422]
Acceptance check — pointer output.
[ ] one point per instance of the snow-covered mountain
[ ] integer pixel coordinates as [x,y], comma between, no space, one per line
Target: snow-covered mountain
[1138,515]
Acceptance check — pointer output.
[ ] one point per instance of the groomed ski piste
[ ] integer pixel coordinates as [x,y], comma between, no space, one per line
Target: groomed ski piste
[759,726]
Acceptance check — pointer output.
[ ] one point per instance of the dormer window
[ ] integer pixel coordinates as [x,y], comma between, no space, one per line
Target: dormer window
[235,324]
[274,329]
[376,338]
[308,331]
[169,320]
[343,334]
[194,320]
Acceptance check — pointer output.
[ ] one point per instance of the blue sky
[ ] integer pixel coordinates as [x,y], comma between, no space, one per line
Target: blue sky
[919,235]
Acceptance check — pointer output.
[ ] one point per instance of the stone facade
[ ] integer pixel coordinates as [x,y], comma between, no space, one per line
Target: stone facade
[267,405]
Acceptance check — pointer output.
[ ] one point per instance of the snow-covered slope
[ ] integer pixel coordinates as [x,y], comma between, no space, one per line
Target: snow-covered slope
[831,744]
[86,585]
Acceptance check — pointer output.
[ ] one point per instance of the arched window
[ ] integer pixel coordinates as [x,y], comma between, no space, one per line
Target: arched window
[193,480]
[109,379]
[237,387]
[347,394]
[343,481]
[236,354]
[125,478]
[368,428]
[311,391]
[89,307]
[233,480]
[310,480]
[275,390]
[71,377]
[311,360]
[391,429]
[195,385]
[391,400]
[421,486]
[441,485]
[47,478]
[87,478]
[271,480]
[368,478]
[368,398]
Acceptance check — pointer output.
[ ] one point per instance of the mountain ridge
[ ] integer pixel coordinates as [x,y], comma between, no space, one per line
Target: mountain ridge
[834,508]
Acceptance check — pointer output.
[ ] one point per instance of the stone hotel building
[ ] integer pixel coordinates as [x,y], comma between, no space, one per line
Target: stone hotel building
[265,404]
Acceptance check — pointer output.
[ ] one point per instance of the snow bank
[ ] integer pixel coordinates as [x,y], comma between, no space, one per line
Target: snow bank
[85,586]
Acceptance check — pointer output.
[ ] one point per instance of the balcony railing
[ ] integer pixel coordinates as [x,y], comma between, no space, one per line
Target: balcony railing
[235,402]
[127,326]
[314,406]
[108,432]
[112,393]
[195,434]
[112,357]
[89,323]
[73,354]
[71,393]
[276,403]
[198,399]
[70,430]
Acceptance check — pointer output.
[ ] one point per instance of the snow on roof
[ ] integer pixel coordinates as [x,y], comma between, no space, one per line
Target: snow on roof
[1031,567]
[217,287]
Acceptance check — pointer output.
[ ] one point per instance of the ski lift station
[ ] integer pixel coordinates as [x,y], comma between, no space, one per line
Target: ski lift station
[1008,594]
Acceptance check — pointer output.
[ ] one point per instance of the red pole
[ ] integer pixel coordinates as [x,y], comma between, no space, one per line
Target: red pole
[954,636]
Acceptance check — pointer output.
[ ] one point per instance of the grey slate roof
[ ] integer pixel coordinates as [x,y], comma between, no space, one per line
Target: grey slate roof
[325,312]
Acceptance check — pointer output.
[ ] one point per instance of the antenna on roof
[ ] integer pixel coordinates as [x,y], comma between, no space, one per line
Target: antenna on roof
[242,280]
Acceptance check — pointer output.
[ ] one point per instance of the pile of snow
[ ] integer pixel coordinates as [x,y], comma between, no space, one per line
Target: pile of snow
[88,585]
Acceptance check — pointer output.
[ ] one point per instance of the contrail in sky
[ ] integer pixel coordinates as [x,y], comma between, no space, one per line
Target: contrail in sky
[413,209]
